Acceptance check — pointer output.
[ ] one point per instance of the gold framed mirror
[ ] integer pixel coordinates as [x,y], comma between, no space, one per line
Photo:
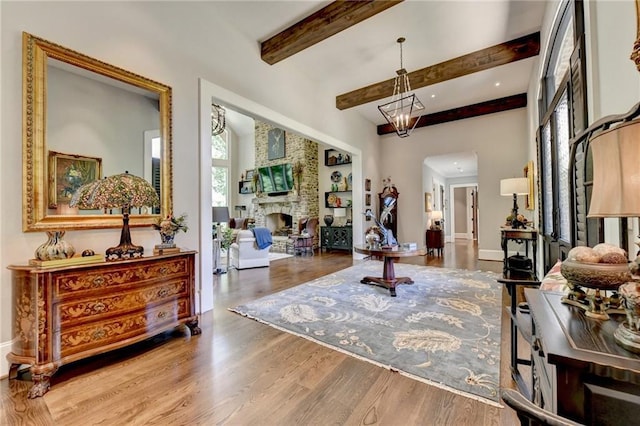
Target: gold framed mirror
[94,113]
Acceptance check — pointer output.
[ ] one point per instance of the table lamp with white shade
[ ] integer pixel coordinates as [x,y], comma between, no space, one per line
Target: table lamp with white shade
[339,213]
[436,219]
[616,193]
[514,187]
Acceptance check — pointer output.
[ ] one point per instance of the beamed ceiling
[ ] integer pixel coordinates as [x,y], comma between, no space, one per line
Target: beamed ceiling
[464,58]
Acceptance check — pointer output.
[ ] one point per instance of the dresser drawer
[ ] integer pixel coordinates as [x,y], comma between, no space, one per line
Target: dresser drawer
[82,310]
[102,334]
[77,282]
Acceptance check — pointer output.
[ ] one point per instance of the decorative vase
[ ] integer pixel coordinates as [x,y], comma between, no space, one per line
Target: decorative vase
[167,239]
[55,247]
[372,239]
[328,219]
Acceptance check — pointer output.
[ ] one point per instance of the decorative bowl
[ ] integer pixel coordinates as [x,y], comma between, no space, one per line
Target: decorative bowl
[603,276]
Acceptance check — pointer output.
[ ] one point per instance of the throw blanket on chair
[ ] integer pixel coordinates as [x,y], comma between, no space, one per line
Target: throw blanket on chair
[263,237]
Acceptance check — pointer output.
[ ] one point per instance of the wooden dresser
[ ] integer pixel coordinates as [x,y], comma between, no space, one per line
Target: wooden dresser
[579,371]
[64,314]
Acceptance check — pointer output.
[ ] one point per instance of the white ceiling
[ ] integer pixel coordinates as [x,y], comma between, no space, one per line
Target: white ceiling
[368,53]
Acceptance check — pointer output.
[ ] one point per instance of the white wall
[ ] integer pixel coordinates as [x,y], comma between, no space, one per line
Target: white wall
[501,143]
[613,82]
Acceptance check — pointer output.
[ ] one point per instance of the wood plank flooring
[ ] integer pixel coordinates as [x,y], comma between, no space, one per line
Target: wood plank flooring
[241,372]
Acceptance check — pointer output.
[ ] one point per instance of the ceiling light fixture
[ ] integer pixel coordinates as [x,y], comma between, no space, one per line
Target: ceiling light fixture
[405,108]
[218,121]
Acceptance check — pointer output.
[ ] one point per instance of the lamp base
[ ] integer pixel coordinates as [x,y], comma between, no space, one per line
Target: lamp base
[627,338]
[516,224]
[124,251]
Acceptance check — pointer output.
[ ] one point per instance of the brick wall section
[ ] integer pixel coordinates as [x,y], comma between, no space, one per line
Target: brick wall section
[306,202]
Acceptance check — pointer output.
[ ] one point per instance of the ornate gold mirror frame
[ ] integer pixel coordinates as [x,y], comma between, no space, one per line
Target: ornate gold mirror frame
[635,52]
[36,215]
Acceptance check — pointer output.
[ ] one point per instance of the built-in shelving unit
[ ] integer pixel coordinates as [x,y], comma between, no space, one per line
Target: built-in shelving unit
[331,197]
[333,157]
[245,187]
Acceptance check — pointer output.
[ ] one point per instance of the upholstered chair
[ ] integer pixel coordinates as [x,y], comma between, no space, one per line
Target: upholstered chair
[305,240]
[244,252]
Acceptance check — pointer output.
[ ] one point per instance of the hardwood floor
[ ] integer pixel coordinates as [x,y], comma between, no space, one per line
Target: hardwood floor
[241,372]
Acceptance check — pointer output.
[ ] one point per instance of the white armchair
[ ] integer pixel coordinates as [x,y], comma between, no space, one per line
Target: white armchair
[246,254]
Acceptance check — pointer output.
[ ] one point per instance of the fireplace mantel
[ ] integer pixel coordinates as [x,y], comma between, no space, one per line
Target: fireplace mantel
[279,199]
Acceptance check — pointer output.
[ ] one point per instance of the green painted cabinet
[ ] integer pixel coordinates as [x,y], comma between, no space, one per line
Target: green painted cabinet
[336,237]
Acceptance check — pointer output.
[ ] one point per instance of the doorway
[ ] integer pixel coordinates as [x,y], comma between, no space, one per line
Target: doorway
[452,179]
[464,211]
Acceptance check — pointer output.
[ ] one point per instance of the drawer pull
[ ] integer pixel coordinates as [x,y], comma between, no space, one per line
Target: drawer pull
[98,334]
[99,307]
[98,280]
[163,270]
[163,292]
[162,314]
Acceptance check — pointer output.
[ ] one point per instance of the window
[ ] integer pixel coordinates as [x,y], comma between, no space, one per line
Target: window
[220,167]
[562,116]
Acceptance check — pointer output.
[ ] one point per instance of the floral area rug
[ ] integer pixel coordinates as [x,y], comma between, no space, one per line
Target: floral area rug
[443,330]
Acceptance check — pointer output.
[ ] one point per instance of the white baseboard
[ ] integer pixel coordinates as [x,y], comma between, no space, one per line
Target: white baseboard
[490,255]
[5,348]
[462,236]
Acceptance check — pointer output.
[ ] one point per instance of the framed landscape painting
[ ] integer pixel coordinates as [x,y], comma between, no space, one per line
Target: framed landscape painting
[67,173]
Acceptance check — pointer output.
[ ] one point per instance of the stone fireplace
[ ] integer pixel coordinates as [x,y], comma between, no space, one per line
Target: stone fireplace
[280,224]
[281,211]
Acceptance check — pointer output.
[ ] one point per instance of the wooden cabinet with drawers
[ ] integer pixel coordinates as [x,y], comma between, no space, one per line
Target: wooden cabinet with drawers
[64,314]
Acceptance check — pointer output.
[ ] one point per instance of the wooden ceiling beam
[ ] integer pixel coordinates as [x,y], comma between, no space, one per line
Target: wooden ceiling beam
[480,60]
[475,110]
[324,23]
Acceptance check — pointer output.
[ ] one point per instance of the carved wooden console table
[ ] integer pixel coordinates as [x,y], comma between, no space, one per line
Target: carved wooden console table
[65,314]
[579,371]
